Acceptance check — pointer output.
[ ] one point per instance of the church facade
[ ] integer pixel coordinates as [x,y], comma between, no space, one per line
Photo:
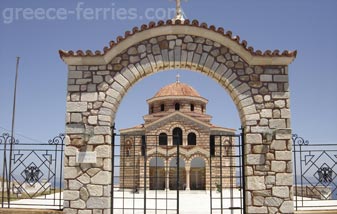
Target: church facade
[177,126]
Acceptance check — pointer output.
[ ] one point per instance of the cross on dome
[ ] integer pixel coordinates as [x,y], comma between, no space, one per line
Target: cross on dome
[178,78]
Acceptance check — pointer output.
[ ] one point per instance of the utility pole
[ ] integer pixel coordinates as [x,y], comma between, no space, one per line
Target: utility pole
[12,139]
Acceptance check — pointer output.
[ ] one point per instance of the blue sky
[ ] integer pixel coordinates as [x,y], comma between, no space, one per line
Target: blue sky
[310,26]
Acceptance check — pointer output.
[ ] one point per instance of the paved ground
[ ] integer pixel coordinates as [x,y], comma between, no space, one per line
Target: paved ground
[190,202]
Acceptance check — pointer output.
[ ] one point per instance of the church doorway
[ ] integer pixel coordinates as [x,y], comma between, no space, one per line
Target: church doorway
[157,174]
[177,174]
[198,174]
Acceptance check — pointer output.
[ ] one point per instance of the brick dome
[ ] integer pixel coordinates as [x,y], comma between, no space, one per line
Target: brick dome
[177,89]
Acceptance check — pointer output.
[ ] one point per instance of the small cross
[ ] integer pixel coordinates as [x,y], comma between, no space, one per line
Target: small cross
[178,78]
[179,13]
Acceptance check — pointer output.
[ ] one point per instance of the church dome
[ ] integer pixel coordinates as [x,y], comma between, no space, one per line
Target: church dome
[177,89]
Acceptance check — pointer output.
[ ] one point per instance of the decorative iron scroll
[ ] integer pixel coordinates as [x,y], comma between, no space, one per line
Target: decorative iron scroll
[31,171]
[315,167]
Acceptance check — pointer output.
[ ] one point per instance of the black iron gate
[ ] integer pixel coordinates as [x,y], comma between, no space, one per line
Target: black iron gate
[315,174]
[226,174]
[150,176]
[32,173]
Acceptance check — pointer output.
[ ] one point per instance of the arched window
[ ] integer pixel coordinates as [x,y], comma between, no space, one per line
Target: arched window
[177,106]
[198,174]
[191,139]
[162,107]
[151,109]
[162,139]
[202,109]
[177,136]
[192,107]
[157,174]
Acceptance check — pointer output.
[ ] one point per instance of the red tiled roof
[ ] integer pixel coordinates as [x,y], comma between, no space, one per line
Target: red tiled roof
[195,23]
[177,89]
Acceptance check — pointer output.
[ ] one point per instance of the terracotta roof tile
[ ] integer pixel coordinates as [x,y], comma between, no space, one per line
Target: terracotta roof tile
[177,89]
[195,23]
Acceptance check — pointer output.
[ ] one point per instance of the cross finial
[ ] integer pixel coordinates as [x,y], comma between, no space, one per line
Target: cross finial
[179,13]
[178,78]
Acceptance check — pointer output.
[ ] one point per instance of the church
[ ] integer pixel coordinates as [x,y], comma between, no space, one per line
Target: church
[176,125]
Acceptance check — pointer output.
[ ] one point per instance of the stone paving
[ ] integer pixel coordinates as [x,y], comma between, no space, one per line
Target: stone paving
[191,202]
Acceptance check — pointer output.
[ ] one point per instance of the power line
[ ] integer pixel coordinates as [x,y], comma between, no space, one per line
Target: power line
[24,136]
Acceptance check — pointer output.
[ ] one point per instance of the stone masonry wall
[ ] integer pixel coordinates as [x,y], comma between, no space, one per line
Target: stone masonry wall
[260,93]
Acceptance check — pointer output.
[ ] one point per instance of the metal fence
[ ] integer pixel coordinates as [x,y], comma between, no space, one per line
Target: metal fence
[158,174]
[32,174]
[315,178]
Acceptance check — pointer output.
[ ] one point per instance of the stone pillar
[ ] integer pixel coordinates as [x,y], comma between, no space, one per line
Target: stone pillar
[167,179]
[188,169]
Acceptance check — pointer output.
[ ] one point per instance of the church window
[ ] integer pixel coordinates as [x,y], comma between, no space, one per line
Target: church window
[162,107]
[177,136]
[177,106]
[191,139]
[162,139]
[192,107]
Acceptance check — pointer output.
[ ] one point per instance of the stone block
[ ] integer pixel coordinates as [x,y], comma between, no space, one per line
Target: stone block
[103,151]
[78,204]
[283,155]
[89,97]
[281,192]
[283,134]
[92,120]
[256,159]
[70,151]
[284,179]
[278,145]
[258,200]
[266,113]
[278,166]
[75,74]
[84,212]
[95,190]
[256,183]
[98,202]
[102,130]
[75,185]
[103,178]
[266,78]
[273,201]
[277,123]
[287,207]
[253,138]
[84,179]
[259,149]
[84,194]
[77,106]
[97,79]
[285,113]
[71,172]
[71,195]
[257,210]
[97,139]
[76,117]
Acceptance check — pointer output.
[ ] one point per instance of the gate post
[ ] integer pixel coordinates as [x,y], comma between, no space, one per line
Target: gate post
[87,166]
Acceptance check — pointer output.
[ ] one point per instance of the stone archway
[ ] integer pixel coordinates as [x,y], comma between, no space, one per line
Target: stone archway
[257,83]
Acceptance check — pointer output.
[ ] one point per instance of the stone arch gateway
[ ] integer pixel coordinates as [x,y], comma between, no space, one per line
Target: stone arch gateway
[257,83]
